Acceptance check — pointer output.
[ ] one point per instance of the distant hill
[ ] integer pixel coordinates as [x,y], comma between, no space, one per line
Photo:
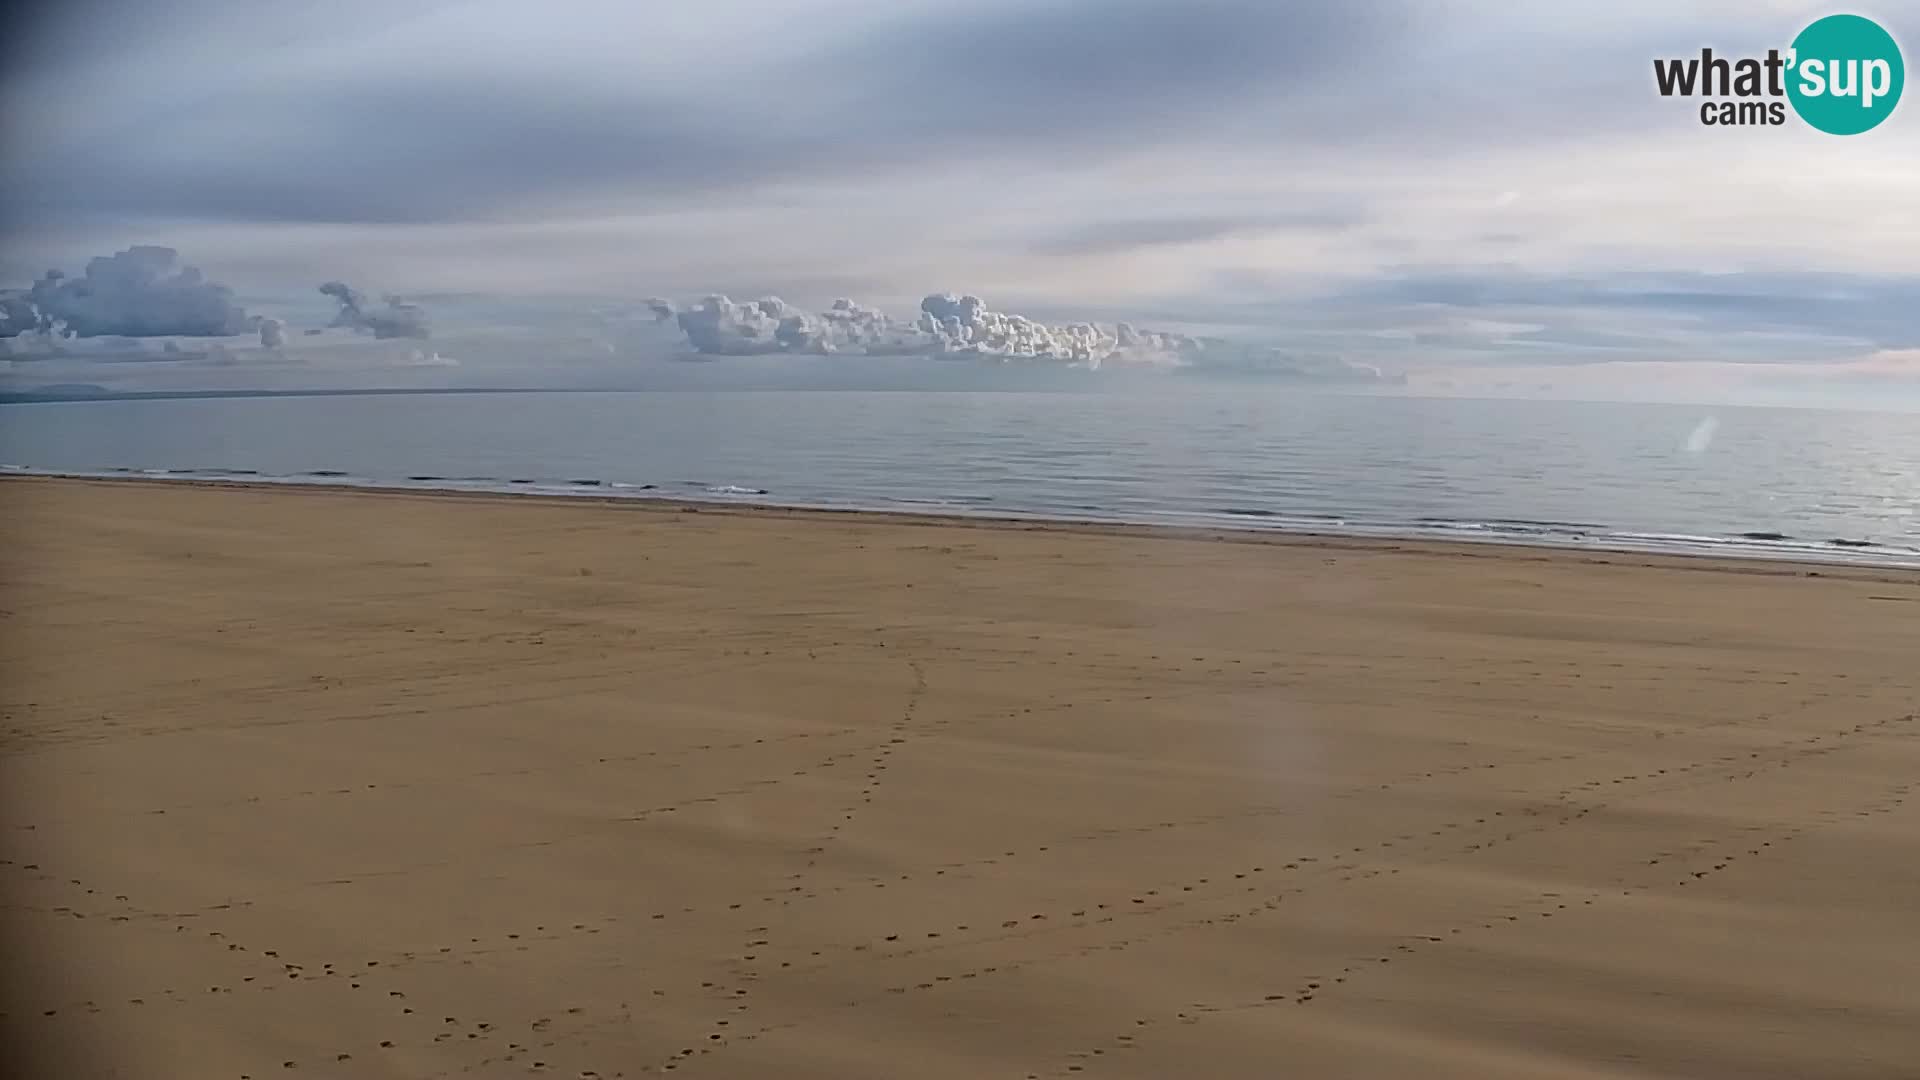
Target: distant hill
[89,392]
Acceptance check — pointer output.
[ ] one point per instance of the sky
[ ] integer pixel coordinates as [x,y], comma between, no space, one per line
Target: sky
[1487,189]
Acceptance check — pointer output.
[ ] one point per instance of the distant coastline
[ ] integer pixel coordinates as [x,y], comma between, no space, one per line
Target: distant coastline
[702,373]
[98,393]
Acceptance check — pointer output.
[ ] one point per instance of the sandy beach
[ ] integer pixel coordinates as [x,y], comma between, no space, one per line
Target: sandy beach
[357,784]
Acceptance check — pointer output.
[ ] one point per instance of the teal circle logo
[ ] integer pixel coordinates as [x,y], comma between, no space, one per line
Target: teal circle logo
[1845,74]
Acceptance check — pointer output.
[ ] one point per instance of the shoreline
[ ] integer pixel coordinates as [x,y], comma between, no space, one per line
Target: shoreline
[1745,561]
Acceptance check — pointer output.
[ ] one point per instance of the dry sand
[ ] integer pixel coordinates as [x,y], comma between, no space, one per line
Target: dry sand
[370,785]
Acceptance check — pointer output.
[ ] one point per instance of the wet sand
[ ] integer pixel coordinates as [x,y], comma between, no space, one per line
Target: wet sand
[370,785]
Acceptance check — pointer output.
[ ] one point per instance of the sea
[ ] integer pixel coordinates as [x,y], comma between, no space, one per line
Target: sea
[1840,486]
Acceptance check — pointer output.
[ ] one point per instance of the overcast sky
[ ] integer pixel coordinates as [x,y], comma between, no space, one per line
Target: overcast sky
[1400,179]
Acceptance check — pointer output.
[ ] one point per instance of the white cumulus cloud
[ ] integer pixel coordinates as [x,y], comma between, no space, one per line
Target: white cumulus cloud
[392,318]
[965,326]
[138,292]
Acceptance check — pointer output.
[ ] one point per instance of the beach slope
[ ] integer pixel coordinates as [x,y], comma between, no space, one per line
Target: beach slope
[354,784]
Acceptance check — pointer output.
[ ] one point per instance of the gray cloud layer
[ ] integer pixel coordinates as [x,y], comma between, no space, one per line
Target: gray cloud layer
[1875,311]
[1098,69]
[1055,81]
[1130,234]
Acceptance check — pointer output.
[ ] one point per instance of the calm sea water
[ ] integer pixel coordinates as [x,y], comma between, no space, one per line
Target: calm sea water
[1843,485]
